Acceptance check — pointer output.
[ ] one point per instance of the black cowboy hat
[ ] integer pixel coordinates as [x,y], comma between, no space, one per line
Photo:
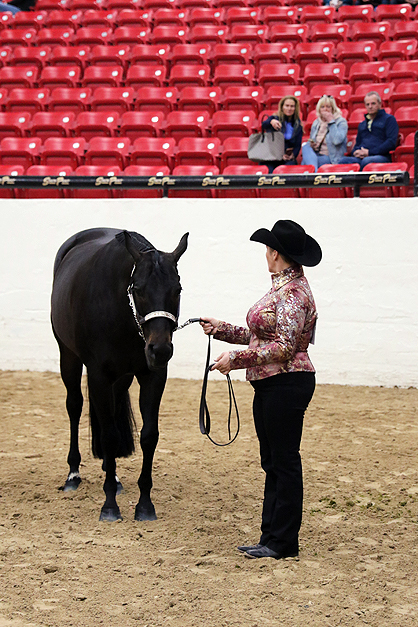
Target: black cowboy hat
[290,239]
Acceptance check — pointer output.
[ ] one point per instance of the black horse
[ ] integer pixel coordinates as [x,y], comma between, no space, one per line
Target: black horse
[115,303]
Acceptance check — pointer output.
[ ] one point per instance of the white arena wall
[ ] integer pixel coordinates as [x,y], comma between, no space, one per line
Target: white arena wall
[366,287]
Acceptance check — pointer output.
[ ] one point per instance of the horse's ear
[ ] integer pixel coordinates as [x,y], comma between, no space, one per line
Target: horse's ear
[181,248]
[130,246]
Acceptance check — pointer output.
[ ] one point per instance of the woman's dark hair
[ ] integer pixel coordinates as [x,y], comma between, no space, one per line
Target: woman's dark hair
[296,116]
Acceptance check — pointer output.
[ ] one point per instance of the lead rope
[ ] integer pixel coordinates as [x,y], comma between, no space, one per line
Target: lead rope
[204,415]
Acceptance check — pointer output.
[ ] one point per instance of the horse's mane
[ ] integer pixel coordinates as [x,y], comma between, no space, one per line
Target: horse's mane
[141,243]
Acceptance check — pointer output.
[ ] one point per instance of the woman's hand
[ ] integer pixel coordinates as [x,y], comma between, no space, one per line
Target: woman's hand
[327,116]
[209,325]
[222,363]
[276,125]
[287,157]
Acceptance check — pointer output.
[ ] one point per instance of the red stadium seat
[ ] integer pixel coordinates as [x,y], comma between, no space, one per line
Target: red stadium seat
[230,54]
[319,14]
[102,76]
[299,3]
[405,30]
[62,19]
[393,13]
[6,55]
[226,75]
[324,73]
[170,35]
[145,76]
[53,76]
[7,19]
[234,152]
[276,191]
[29,19]
[169,17]
[198,151]
[382,192]
[91,124]
[208,34]
[131,35]
[157,151]
[349,52]
[333,192]
[153,171]
[67,151]
[147,54]
[108,151]
[134,17]
[24,99]
[119,99]
[199,99]
[50,5]
[232,123]
[400,50]
[317,52]
[385,91]
[406,94]
[243,97]
[56,37]
[243,170]
[205,15]
[242,15]
[188,75]
[180,124]
[22,151]
[370,31]
[189,54]
[278,74]
[52,124]
[70,55]
[248,34]
[136,124]
[352,14]
[107,176]
[267,4]
[93,36]
[280,15]
[14,124]
[335,33]
[289,33]
[373,72]
[7,173]
[99,17]
[407,119]
[20,76]
[404,71]
[405,152]
[156,99]
[18,37]
[355,117]
[272,53]
[70,99]
[55,190]
[30,55]
[104,55]
[194,170]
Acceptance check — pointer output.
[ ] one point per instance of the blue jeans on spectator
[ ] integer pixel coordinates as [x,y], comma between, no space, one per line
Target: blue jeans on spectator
[8,7]
[310,157]
[363,162]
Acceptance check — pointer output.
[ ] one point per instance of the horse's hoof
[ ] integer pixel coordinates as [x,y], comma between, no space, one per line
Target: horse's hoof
[110,514]
[145,513]
[71,484]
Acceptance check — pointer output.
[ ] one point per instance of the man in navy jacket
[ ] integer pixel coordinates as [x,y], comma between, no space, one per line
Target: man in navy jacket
[377,135]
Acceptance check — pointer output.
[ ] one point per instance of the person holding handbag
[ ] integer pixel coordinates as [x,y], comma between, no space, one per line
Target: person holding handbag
[287,121]
[280,327]
[328,139]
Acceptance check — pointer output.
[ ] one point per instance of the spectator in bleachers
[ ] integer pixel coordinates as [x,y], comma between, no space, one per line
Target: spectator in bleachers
[377,135]
[8,8]
[287,120]
[328,139]
[14,6]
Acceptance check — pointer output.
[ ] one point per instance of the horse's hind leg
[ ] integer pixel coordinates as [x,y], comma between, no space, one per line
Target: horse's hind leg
[152,388]
[71,371]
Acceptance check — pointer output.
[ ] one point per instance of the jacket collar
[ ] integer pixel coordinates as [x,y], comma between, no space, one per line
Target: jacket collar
[285,276]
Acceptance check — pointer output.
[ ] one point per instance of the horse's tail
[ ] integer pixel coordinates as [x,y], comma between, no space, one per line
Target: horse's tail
[125,427]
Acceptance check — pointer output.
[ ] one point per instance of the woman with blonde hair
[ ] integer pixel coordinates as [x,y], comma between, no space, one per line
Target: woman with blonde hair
[328,139]
[287,120]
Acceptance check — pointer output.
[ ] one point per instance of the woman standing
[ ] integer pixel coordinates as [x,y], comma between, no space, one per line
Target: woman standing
[287,120]
[328,139]
[280,327]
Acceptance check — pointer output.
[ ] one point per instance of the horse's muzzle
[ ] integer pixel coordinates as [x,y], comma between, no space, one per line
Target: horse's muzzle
[158,355]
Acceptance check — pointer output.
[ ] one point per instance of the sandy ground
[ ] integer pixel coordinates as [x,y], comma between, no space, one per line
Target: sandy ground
[358,562]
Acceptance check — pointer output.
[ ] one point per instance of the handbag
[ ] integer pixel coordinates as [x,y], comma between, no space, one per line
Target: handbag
[266,146]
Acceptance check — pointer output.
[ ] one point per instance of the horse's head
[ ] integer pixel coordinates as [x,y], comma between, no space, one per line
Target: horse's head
[156,292]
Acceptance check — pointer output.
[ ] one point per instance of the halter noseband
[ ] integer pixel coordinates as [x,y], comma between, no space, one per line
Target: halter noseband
[140,320]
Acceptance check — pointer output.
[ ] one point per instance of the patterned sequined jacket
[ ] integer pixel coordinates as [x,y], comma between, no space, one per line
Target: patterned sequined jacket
[280,327]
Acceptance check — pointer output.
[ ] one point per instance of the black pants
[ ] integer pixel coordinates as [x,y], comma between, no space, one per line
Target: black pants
[279,406]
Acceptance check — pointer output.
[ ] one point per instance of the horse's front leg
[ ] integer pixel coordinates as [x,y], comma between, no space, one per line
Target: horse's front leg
[104,430]
[152,387]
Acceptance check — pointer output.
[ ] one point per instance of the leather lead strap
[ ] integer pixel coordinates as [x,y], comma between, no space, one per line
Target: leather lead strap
[204,415]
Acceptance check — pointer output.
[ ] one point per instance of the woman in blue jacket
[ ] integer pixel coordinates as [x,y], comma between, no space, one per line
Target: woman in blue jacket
[328,139]
[287,120]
